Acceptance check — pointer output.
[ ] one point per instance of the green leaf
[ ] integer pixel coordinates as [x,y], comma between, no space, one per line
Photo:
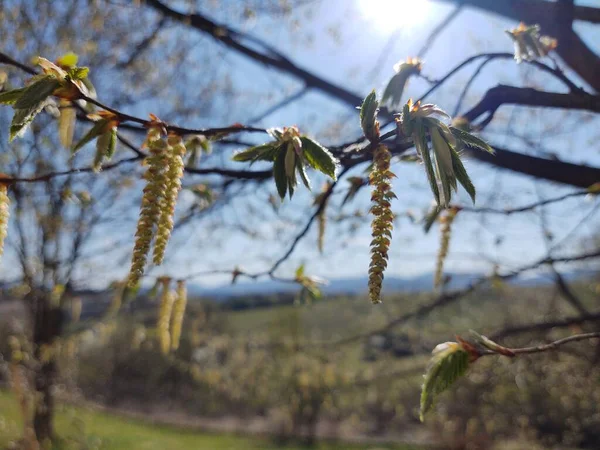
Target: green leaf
[450,361]
[112,144]
[423,149]
[461,174]
[98,129]
[290,160]
[23,117]
[11,97]
[37,92]
[368,116]
[300,271]
[264,152]
[319,158]
[302,171]
[292,183]
[279,172]
[470,140]
[392,95]
[79,73]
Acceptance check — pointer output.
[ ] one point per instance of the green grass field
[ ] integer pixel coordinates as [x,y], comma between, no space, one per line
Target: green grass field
[83,428]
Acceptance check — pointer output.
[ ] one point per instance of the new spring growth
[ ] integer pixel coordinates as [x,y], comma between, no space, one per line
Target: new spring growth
[178,314]
[164,315]
[529,44]
[291,153]
[63,80]
[380,180]
[392,94]
[152,200]
[4,213]
[174,173]
[445,232]
[442,162]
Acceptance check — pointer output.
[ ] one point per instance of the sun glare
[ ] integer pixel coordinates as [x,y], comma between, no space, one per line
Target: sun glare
[390,15]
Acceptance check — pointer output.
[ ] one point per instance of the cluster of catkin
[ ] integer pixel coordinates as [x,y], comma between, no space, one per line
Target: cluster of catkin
[170,315]
[380,180]
[163,182]
[445,232]
[4,214]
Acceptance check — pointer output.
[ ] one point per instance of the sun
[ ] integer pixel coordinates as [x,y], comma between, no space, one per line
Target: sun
[391,15]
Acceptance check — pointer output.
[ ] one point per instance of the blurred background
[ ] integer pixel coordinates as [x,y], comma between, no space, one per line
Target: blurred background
[268,358]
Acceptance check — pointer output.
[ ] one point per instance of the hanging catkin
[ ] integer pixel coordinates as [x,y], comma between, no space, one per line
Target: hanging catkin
[152,199]
[175,153]
[445,232]
[164,316]
[382,223]
[4,214]
[178,313]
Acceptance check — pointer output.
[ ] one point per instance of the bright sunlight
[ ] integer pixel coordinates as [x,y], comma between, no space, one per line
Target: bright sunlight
[389,15]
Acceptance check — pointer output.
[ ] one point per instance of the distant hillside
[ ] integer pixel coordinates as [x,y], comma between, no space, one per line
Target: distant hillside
[354,286]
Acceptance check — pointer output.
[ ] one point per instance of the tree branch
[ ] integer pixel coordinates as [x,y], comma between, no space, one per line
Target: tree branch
[525,208]
[546,347]
[505,95]
[571,48]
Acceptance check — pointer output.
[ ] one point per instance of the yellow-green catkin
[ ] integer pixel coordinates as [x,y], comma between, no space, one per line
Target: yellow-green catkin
[164,316]
[322,200]
[445,232]
[382,224]
[178,313]
[150,210]
[176,152]
[4,214]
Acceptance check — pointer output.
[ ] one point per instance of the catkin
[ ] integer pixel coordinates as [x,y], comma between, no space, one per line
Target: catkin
[445,232]
[382,221]
[164,316]
[178,313]
[174,173]
[322,200]
[150,210]
[4,214]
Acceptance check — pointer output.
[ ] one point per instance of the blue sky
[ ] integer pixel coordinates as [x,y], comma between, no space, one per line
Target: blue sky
[351,62]
[346,44]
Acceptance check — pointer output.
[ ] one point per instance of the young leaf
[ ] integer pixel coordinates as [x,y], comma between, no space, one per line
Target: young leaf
[112,144]
[461,174]
[79,73]
[98,129]
[319,158]
[11,97]
[22,118]
[393,91]
[279,172]
[302,171]
[37,92]
[471,141]
[264,152]
[450,361]
[423,149]
[368,116]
